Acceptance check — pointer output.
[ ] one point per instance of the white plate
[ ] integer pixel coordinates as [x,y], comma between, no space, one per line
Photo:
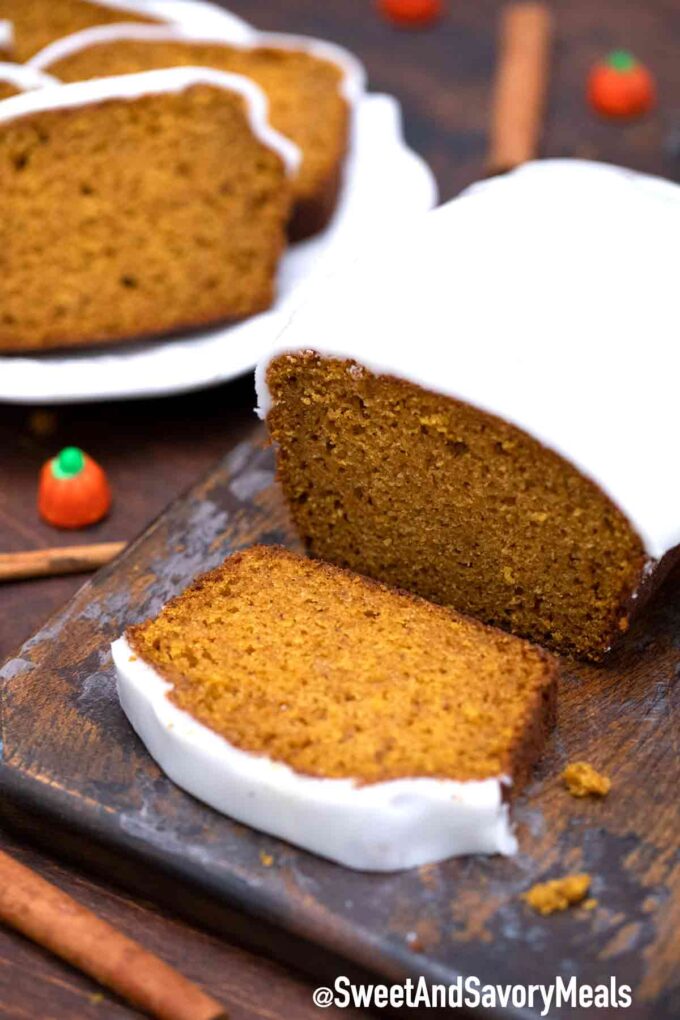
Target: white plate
[386,184]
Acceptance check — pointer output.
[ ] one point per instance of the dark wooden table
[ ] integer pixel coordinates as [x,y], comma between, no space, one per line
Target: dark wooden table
[155,450]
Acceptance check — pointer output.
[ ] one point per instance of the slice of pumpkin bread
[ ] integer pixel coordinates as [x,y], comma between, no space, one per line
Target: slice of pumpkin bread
[355,694]
[138,206]
[339,676]
[37,23]
[306,93]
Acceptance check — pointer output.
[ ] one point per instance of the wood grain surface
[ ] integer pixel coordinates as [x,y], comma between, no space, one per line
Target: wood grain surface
[154,450]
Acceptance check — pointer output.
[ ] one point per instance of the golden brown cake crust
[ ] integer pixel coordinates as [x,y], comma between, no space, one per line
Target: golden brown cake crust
[39,22]
[133,218]
[304,93]
[432,495]
[340,676]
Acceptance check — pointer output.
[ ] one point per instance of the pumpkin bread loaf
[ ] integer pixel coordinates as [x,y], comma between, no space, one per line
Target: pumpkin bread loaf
[433,495]
[338,676]
[305,95]
[37,23]
[138,206]
[432,432]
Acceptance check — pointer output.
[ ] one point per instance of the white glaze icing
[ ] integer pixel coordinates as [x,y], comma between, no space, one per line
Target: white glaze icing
[548,297]
[176,79]
[6,35]
[131,6]
[381,827]
[353,79]
[25,77]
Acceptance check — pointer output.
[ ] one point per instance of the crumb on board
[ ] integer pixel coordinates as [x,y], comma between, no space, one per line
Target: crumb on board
[582,780]
[414,942]
[558,894]
[589,904]
[266,860]
[42,423]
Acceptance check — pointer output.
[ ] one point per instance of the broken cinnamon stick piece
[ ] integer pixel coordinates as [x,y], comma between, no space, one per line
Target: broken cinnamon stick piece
[75,559]
[57,922]
[521,85]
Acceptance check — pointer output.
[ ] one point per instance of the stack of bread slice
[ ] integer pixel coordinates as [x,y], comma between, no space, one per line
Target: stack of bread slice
[153,183]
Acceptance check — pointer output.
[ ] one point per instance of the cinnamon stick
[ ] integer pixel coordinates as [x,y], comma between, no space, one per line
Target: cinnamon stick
[54,920]
[521,85]
[78,559]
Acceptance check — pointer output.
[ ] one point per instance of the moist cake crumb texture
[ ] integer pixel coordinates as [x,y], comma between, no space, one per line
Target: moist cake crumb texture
[8,88]
[39,22]
[582,780]
[430,494]
[303,91]
[339,677]
[136,217]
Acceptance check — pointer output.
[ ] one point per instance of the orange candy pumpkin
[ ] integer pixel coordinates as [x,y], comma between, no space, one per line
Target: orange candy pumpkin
[621,87]
[73,490]
[411,13]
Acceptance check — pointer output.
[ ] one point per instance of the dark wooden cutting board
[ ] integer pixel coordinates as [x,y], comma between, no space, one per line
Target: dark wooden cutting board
[74,773]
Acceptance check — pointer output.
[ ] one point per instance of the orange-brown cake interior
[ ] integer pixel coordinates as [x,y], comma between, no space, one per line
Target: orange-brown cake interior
[7,89]
[433,495]
[338,676]
[39,22]
[130,218]
[303,91]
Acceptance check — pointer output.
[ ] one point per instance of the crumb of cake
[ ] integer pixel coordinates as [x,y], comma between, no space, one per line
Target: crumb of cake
[266,860]
[39,22]
[589,904]
[41,423]
[303,89]
[582,780]
[558,894]
[414,942]
[339,676]
[430,494]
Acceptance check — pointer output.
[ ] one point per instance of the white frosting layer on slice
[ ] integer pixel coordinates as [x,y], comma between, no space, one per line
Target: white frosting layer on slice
[353,80]
[382,827]
[548,297]
[25,77]
[132,86]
